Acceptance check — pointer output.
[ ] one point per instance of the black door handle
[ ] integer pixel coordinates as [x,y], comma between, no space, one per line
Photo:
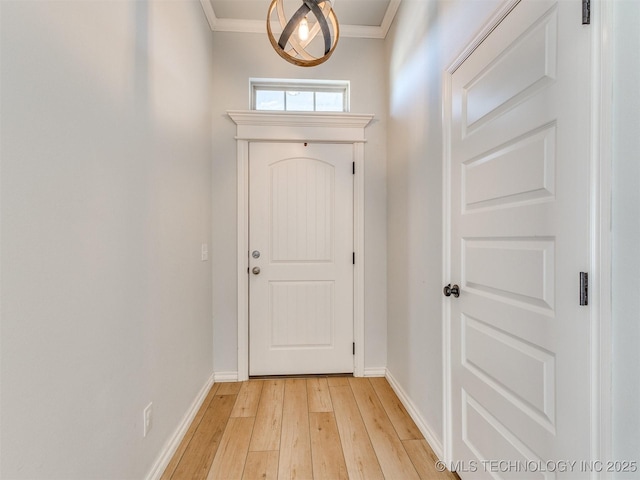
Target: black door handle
[449,290]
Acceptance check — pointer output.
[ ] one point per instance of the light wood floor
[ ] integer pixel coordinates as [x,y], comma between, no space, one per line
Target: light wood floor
[315,428]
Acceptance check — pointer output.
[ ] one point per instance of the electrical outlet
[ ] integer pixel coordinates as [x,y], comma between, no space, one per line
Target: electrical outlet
[205,252]
[147,419]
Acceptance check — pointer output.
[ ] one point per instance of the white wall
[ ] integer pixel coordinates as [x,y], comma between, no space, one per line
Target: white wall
[626,235]
[106,188]
[239,57]
[424,40]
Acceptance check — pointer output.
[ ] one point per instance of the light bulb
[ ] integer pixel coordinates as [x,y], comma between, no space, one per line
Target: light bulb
[303,29]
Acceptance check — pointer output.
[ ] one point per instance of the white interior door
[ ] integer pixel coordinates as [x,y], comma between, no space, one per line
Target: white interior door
[520,353]
[301,258]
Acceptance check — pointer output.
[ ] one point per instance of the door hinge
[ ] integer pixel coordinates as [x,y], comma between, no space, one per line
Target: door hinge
[584,288]
[354,258]
[354,167]
[586,12]
[354,348]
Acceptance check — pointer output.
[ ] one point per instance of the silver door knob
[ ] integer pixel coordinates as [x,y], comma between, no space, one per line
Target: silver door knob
[256,270]
[448,290]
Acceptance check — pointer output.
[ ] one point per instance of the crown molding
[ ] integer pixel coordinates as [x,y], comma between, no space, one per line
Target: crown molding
[258,26]
[389,16]
[209,13]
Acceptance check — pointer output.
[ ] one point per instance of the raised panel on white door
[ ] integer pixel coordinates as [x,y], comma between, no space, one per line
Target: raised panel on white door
[498,451]
[523,170]
[513,269]
[523,373]
[525,66]
[302,211]
[301,314]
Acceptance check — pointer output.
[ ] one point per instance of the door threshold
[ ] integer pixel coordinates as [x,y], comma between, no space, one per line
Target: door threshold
[303,375]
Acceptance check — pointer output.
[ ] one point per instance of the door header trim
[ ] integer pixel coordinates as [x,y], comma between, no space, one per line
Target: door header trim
[332,127]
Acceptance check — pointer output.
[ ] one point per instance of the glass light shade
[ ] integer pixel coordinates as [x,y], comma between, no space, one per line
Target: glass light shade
[303,29]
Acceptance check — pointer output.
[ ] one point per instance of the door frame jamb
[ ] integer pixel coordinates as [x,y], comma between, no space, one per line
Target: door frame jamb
[254,126]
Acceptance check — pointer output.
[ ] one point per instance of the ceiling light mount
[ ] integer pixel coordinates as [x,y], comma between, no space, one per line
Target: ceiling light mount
[296,43]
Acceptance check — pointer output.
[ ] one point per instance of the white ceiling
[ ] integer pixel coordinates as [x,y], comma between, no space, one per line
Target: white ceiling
[357,18]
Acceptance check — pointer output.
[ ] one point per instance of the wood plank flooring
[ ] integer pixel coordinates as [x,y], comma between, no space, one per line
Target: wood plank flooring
[317,428]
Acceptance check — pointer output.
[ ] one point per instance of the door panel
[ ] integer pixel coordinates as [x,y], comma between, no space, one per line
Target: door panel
[514,270]
[520,235]
[520,171]
[302,313]
[301,222]
[302,208]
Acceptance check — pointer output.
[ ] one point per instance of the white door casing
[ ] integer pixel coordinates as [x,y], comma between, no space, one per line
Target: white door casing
[301,268]
[255,126]
[519,212]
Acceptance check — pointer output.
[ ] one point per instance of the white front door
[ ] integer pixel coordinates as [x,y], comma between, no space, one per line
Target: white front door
[300,258]
[520,353]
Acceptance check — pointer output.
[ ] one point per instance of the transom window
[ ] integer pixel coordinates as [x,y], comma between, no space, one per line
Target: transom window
[299,95]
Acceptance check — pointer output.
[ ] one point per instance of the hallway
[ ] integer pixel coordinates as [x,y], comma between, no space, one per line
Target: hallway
[122,197]
[320,428]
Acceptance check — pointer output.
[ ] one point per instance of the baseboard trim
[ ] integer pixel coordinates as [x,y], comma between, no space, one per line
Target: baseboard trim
[221,377]
[174,441]
[375,372]
[422,425]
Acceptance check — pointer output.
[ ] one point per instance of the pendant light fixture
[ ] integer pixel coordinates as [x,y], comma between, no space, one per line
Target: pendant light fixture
[309,37]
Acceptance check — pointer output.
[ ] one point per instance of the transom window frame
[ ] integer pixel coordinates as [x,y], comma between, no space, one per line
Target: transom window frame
[300,85]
